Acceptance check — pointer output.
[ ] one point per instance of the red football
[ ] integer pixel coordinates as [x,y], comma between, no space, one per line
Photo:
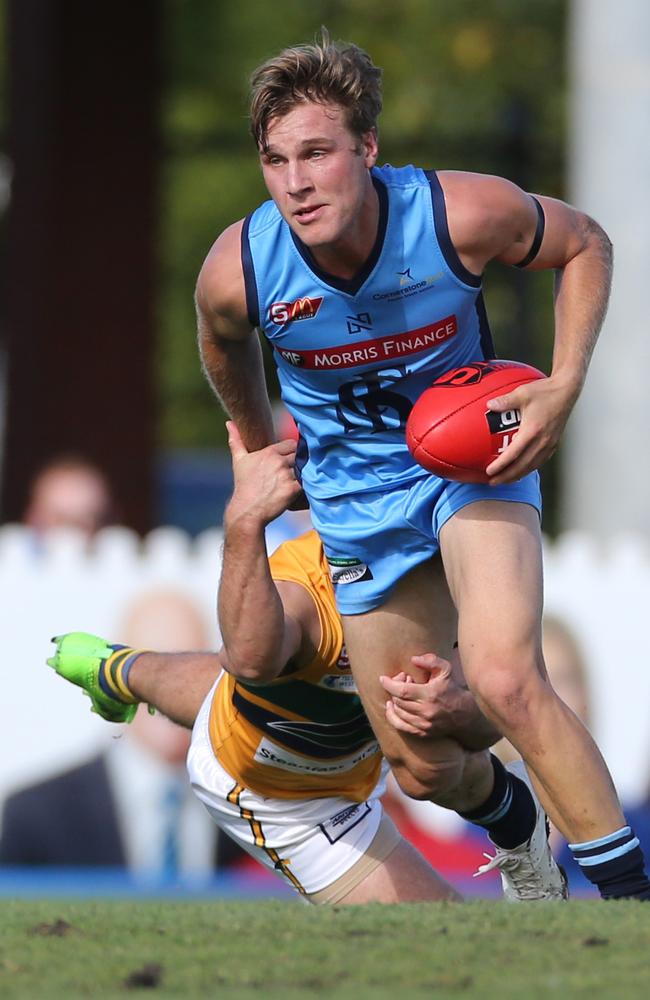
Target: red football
[450,430]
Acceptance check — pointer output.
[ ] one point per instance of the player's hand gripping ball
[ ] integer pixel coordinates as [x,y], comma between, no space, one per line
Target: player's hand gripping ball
[450,430]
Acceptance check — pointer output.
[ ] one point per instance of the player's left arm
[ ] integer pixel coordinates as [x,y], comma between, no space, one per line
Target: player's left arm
[443,706]
[492,219]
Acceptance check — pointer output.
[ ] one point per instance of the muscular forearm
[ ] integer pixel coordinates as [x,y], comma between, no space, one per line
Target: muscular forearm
[175,684]
[251,613]
[582,290]
[235,370]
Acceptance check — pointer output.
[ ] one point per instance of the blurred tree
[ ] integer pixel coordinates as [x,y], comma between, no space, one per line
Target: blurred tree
[473,86]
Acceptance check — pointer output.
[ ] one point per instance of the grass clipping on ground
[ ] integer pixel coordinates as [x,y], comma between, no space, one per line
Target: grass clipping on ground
[51,950]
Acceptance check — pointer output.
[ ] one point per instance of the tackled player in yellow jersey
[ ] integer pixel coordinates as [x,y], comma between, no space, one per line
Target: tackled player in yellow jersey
[282,753]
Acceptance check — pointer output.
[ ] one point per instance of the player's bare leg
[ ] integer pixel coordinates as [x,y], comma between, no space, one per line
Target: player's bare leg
[404,877]
[418,616]
[492,554]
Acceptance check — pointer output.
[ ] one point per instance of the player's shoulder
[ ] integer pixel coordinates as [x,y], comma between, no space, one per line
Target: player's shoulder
[220,287]
[406,176]
[482,191]
[224,256]
[480,202]
[488,216]
[221,284]
[299,559]
[479,196]
[300,563]
[266,216]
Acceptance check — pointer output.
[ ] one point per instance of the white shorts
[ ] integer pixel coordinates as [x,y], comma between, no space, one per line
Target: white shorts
[313,843]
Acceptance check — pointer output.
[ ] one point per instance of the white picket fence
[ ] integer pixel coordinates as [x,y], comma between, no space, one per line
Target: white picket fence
[603,592]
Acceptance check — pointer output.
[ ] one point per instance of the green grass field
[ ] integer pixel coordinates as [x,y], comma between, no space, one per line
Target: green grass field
[51,950]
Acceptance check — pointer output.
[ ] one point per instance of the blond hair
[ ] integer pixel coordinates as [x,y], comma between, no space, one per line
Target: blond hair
[325,73]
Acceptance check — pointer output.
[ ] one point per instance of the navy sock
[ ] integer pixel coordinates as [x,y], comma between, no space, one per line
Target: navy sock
[509,813]
[614,864]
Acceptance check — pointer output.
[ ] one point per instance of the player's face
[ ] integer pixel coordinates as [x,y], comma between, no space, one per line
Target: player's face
[317,172]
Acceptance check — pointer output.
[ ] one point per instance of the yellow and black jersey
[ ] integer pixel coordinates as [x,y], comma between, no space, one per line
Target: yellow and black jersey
[305,735]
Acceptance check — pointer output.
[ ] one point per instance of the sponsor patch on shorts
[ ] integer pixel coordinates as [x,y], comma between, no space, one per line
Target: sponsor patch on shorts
[334,682]
[272,755]
[348,570]
[344,820]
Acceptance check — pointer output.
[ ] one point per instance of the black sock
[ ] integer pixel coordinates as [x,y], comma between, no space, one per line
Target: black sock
[615,865]
[509,813]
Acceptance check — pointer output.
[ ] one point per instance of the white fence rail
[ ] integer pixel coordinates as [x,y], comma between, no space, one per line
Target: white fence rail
[602,592]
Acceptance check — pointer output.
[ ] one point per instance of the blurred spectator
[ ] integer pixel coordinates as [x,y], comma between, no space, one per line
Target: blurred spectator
[69,492]
[132,805]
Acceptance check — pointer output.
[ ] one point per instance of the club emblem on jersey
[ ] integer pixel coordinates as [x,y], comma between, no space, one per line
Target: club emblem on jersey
[357,324]
[282,313]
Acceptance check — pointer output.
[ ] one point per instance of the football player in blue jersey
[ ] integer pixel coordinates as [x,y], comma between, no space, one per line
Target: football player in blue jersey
[366,281]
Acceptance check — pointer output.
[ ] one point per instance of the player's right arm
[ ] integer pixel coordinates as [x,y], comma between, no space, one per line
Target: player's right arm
[230,349]
[491,218]
[266,626]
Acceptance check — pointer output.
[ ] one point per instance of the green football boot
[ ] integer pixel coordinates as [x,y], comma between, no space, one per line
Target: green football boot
[79,658]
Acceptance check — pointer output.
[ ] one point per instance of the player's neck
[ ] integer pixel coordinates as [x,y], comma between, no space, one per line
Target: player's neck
[346,257]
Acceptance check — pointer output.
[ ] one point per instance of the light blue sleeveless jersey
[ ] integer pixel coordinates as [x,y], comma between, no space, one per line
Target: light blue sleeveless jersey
[353,356]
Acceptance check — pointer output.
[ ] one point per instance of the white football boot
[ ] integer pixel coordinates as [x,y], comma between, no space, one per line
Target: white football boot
[530,870]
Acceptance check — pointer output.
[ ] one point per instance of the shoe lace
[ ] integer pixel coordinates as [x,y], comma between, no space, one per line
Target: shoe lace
[524,876]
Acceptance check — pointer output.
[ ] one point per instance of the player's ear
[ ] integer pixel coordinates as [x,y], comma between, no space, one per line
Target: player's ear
[370,147]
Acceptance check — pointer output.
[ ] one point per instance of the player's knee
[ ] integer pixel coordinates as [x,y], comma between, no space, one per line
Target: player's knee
[429,779]
[510,697]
